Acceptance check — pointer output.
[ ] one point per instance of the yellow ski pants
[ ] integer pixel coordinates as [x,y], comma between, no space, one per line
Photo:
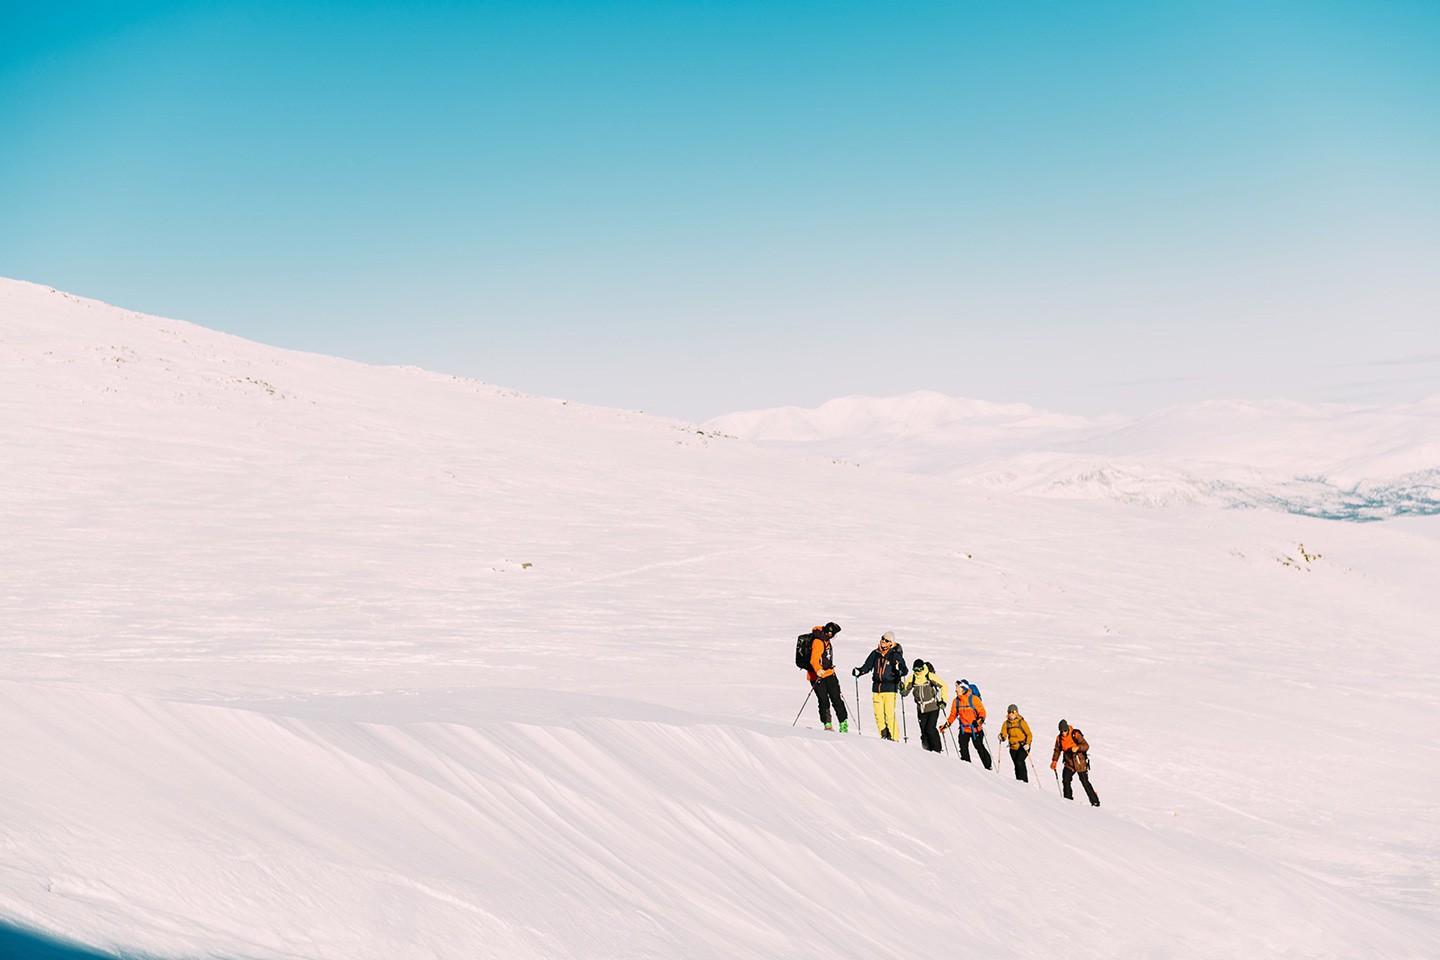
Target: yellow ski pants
[885,714]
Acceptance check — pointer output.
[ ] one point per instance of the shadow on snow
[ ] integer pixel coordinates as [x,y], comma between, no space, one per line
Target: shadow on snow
[18,943]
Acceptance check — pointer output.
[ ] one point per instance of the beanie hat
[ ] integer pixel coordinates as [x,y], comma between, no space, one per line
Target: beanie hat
[1012,709]
[888,636]
[1064,727]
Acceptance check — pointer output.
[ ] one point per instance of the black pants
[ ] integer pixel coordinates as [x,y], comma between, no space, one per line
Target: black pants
[827,691]
[1018,756]
[929,735]
[1084,782]
[978,738]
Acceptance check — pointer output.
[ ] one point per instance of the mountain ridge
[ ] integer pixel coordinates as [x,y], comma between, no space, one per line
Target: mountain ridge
[1341,461]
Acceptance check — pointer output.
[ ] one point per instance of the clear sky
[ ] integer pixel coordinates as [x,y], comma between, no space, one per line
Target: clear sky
[698,207]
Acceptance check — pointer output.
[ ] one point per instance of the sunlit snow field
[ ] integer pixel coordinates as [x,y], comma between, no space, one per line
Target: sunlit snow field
[305,658]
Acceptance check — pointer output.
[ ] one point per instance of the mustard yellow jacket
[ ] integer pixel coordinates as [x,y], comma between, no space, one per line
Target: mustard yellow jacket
[1017,731]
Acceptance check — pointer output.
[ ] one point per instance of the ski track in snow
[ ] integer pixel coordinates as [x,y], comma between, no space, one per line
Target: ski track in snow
[280,683]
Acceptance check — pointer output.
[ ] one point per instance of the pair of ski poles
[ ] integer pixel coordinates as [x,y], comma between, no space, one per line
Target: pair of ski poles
[858,728]
[955,741]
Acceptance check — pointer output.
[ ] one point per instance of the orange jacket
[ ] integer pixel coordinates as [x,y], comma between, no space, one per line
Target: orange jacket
[822,659]
[969,710]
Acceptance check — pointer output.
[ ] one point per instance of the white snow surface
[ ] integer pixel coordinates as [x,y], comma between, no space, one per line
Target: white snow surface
[1330,460]
[306,658]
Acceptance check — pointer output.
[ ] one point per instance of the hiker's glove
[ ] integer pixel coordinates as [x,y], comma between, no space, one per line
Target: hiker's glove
[1052,764]
[855,672]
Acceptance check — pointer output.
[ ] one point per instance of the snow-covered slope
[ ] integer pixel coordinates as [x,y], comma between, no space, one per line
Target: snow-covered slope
[1334,461]
[304,658]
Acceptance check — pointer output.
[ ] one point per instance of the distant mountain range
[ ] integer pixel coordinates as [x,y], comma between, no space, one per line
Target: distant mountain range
[1335,461]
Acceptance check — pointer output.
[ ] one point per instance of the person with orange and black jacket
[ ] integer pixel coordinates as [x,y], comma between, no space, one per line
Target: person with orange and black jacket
[1070,743]
[887,661]
[821,674]
[1015,732]
[969,710]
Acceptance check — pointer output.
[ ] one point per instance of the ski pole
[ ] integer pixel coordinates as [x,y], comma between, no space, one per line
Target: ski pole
[904,727]
[803,706]
[1032,769]
[1057,782]
[859,727]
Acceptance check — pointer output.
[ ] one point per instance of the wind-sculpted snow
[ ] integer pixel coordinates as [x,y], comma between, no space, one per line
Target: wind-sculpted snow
[600,837]
[1336,462]
[305,658]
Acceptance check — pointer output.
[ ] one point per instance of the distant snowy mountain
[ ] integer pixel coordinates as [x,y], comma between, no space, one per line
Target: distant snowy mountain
[1333,461]
[304,658]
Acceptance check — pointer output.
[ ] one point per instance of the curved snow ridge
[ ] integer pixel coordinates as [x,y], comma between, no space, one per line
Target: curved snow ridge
[180,829]
[77,350]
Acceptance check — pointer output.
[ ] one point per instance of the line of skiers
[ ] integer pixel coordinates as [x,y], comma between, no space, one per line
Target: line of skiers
[890,679]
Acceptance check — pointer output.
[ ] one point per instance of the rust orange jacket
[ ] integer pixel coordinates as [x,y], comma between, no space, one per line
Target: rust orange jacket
[1072,746]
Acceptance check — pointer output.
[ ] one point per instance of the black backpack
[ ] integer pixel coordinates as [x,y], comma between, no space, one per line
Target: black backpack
[803,645]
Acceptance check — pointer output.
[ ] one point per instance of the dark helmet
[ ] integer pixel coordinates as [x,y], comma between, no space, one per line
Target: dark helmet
[832,628]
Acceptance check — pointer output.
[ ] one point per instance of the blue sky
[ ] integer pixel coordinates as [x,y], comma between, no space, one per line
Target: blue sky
[692,208]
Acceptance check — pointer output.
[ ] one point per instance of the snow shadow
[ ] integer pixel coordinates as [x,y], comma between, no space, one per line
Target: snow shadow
[17,943]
